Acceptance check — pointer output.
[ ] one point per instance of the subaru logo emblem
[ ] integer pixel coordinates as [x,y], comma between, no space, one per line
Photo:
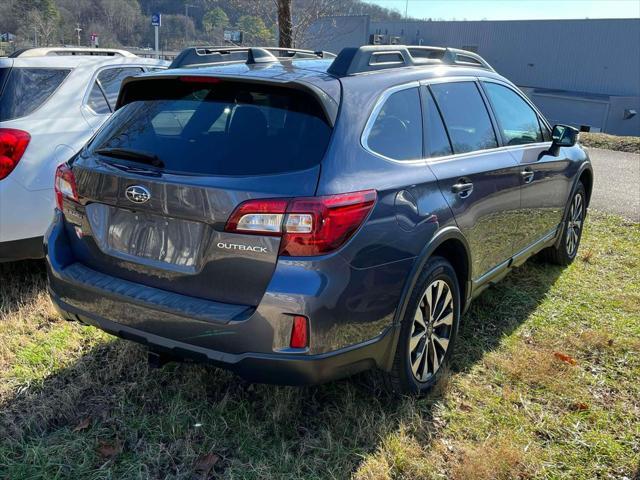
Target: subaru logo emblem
[138,194]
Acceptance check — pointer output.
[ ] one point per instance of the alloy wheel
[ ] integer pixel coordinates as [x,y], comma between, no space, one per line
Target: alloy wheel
[574,224]
[431,330]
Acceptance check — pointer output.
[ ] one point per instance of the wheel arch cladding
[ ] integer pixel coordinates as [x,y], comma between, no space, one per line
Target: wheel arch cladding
[450,244]
[455,252]
[586,177]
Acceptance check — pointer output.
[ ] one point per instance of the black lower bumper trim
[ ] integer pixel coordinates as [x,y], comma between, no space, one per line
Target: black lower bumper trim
[280,369]
[24,249]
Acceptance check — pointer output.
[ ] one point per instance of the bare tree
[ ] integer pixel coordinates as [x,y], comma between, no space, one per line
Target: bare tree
[44,25]
[301,14]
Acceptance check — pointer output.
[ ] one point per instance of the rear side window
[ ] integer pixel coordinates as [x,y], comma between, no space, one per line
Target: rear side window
[436,139]
[518,122]
[111,79]
[218,128]
[465,116]
[26,89]
[397,130]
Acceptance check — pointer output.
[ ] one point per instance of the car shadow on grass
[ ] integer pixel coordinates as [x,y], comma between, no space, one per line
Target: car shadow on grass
[161,421]
[20,284]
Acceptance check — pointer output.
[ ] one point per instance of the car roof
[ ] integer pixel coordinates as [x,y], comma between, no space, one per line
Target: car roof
[73,61]
[279,72]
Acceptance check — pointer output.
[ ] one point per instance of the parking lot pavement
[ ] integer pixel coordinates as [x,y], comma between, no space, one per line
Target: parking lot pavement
[617,182]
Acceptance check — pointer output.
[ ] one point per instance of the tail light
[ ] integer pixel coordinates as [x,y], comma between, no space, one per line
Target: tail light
[65,185]
[13,143]
[308,226]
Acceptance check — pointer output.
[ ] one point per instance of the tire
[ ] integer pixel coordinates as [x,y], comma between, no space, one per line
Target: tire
[415,373]
[564,253]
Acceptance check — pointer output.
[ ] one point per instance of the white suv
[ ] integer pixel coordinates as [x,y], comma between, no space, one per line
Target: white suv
[51,102]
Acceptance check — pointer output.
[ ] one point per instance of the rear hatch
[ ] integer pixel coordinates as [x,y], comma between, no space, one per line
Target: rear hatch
[159,181]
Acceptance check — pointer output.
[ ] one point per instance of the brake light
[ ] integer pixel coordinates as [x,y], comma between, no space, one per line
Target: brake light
[308,226]
[13,143]
[65,185]
[198,79]
[299,332]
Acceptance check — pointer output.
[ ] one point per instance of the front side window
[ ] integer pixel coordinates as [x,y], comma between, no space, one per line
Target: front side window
[26,89]
[517,121]
[465,116]
[397,130]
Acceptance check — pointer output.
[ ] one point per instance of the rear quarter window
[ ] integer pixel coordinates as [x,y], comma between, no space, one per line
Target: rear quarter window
[26,89]
[396,132]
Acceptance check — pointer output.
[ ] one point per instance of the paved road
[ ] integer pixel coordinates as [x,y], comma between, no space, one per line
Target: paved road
[617,182]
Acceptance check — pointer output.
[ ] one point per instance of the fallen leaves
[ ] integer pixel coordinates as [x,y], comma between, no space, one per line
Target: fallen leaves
[82,425]
[204,464]
[563,357]
[580,406]
[109,450]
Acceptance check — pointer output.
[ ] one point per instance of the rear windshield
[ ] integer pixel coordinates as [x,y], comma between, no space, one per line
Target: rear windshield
[25,89]
[220,128]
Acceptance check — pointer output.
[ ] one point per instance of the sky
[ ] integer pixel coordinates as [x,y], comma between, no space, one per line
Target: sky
[514,9]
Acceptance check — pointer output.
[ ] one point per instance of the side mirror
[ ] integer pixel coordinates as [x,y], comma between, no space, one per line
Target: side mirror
[564,136]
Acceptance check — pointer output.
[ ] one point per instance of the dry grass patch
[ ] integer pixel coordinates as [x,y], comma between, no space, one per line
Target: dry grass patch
[494,459]
[611,142]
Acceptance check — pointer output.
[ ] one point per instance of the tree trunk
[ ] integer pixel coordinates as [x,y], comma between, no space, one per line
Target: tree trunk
[285,25]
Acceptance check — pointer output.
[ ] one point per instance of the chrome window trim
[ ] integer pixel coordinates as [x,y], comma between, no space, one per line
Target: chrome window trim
[384,96]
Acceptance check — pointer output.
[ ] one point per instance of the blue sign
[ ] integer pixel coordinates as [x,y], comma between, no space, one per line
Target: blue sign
[156,19]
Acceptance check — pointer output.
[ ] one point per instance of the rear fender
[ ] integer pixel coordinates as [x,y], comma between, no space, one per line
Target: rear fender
[447,233]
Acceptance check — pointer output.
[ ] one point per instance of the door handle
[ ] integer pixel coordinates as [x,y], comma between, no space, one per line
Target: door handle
[527,175]
[462,188]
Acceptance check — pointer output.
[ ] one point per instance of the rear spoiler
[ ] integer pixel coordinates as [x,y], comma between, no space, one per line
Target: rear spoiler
[328,104]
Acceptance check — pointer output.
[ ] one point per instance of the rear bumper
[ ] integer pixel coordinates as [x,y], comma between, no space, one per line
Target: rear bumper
[279,369]
[28,248]
[251,341]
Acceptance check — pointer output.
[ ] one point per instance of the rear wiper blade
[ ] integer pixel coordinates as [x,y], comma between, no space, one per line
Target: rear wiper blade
[126,154]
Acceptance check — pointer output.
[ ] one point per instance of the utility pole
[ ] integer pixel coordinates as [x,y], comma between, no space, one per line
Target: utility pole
[406,20]
[186,14]
[78,30]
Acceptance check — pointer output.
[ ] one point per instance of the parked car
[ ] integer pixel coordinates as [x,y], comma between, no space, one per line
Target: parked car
[298,220]
[52,100]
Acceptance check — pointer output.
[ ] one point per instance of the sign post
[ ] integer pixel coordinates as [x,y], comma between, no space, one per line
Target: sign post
[156,21]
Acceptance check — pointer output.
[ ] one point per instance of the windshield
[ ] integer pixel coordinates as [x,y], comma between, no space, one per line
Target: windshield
[224,128]
[26,89]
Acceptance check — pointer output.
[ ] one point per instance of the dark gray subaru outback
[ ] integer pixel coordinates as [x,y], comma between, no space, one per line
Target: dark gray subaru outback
[298,218]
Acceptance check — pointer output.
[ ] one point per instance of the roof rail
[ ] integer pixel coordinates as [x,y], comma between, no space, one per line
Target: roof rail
[204,56]
[68,51]
[370,58]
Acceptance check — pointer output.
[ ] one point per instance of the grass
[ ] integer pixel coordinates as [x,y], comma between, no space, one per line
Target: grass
[544,384]
[610,142]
